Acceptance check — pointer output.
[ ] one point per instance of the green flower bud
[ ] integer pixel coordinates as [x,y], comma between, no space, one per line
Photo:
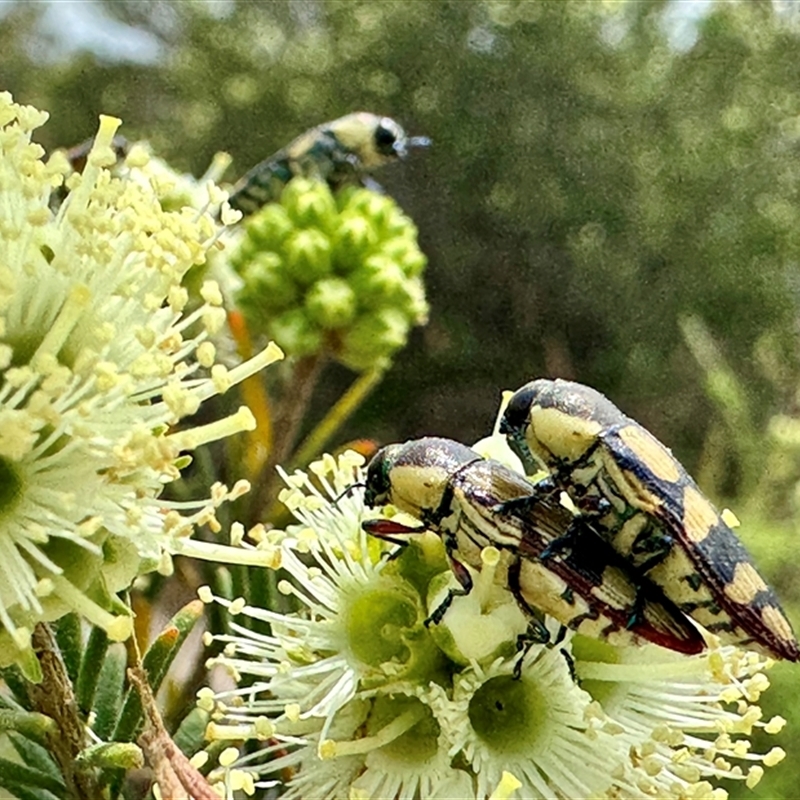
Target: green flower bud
[394,223]
[377,208]
[345,195]
[295,333]
[269,227]
[331,303]
[353,241]
[403,249]
[373,337]
[308,256]
[310,204]
[268,286]
[412,301]
[378,281]
[338,263]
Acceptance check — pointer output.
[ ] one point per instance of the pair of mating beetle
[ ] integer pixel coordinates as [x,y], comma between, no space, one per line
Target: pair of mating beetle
[645,552]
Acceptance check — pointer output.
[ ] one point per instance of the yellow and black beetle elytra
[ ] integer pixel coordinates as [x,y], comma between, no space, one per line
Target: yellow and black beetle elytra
[645,505]
[464,498]
[342,151]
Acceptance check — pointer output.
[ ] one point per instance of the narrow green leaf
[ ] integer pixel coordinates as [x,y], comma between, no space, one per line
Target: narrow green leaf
[190,736]
[86,686]
[108,697]
[26,792]
[156,662]
[160,656]
[9,703]
[68,638]
[34,755]
[112,755]
[13,773]
[29,724]
[16,683]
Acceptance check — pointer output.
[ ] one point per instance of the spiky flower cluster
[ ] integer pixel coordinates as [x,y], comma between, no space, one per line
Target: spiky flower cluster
[97,364]
[354,696]
[337,275]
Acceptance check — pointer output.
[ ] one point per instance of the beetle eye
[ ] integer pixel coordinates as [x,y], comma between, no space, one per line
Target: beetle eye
[385,139]
[378,484]
[515,418]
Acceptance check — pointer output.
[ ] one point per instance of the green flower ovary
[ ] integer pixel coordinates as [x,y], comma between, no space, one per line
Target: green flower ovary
[340,275]
[508,713]
[11,485]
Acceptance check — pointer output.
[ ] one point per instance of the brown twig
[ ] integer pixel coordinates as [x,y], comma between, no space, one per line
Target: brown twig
[55,698]
[288,416]
[175,775]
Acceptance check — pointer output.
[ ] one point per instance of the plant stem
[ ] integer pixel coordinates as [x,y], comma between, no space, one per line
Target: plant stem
[287,419]
[55,698]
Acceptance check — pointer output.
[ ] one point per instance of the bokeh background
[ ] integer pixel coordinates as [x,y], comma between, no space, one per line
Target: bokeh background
[612,196]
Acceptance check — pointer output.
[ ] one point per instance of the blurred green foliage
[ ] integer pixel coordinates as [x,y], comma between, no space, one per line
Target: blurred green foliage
[591,185]
[587,185]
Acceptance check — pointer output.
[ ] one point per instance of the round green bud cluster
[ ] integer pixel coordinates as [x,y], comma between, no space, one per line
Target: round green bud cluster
[339,274]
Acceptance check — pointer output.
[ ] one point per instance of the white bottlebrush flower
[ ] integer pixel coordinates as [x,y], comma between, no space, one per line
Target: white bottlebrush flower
[98,362]
[533,725]
[353,693]
[684,719]
[352,696]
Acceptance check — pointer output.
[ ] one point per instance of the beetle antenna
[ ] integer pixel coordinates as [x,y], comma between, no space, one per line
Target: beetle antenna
[349,490]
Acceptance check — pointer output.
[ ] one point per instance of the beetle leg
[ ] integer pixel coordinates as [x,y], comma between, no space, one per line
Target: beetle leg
[562,545]
[432,518]
[545,488]
[655,546]
[570,664]
[637,614]
[562,632]
[513,584]
[395,553]
[535,634]
[370,183]
[464,578]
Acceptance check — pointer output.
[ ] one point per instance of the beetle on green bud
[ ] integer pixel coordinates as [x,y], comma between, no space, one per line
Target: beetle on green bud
[343,151]
[645,505]
[464,498]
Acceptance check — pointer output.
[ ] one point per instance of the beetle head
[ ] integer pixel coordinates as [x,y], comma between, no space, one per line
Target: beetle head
[415,476]
[556,422]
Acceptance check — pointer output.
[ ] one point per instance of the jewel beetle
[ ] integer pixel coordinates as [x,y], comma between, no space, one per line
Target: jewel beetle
[464,498]
[343,151]
[643,502]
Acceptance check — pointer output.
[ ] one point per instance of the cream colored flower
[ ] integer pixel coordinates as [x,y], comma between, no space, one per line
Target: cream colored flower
[98,363]
[684,720]
[353,697]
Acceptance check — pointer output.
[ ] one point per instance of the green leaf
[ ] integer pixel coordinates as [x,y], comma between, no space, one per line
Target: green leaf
[156,662]
[108,697]
[16,683]
[68,638]
[19,775]
[34,755]
[95,653]
[26,792]
[190,736]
